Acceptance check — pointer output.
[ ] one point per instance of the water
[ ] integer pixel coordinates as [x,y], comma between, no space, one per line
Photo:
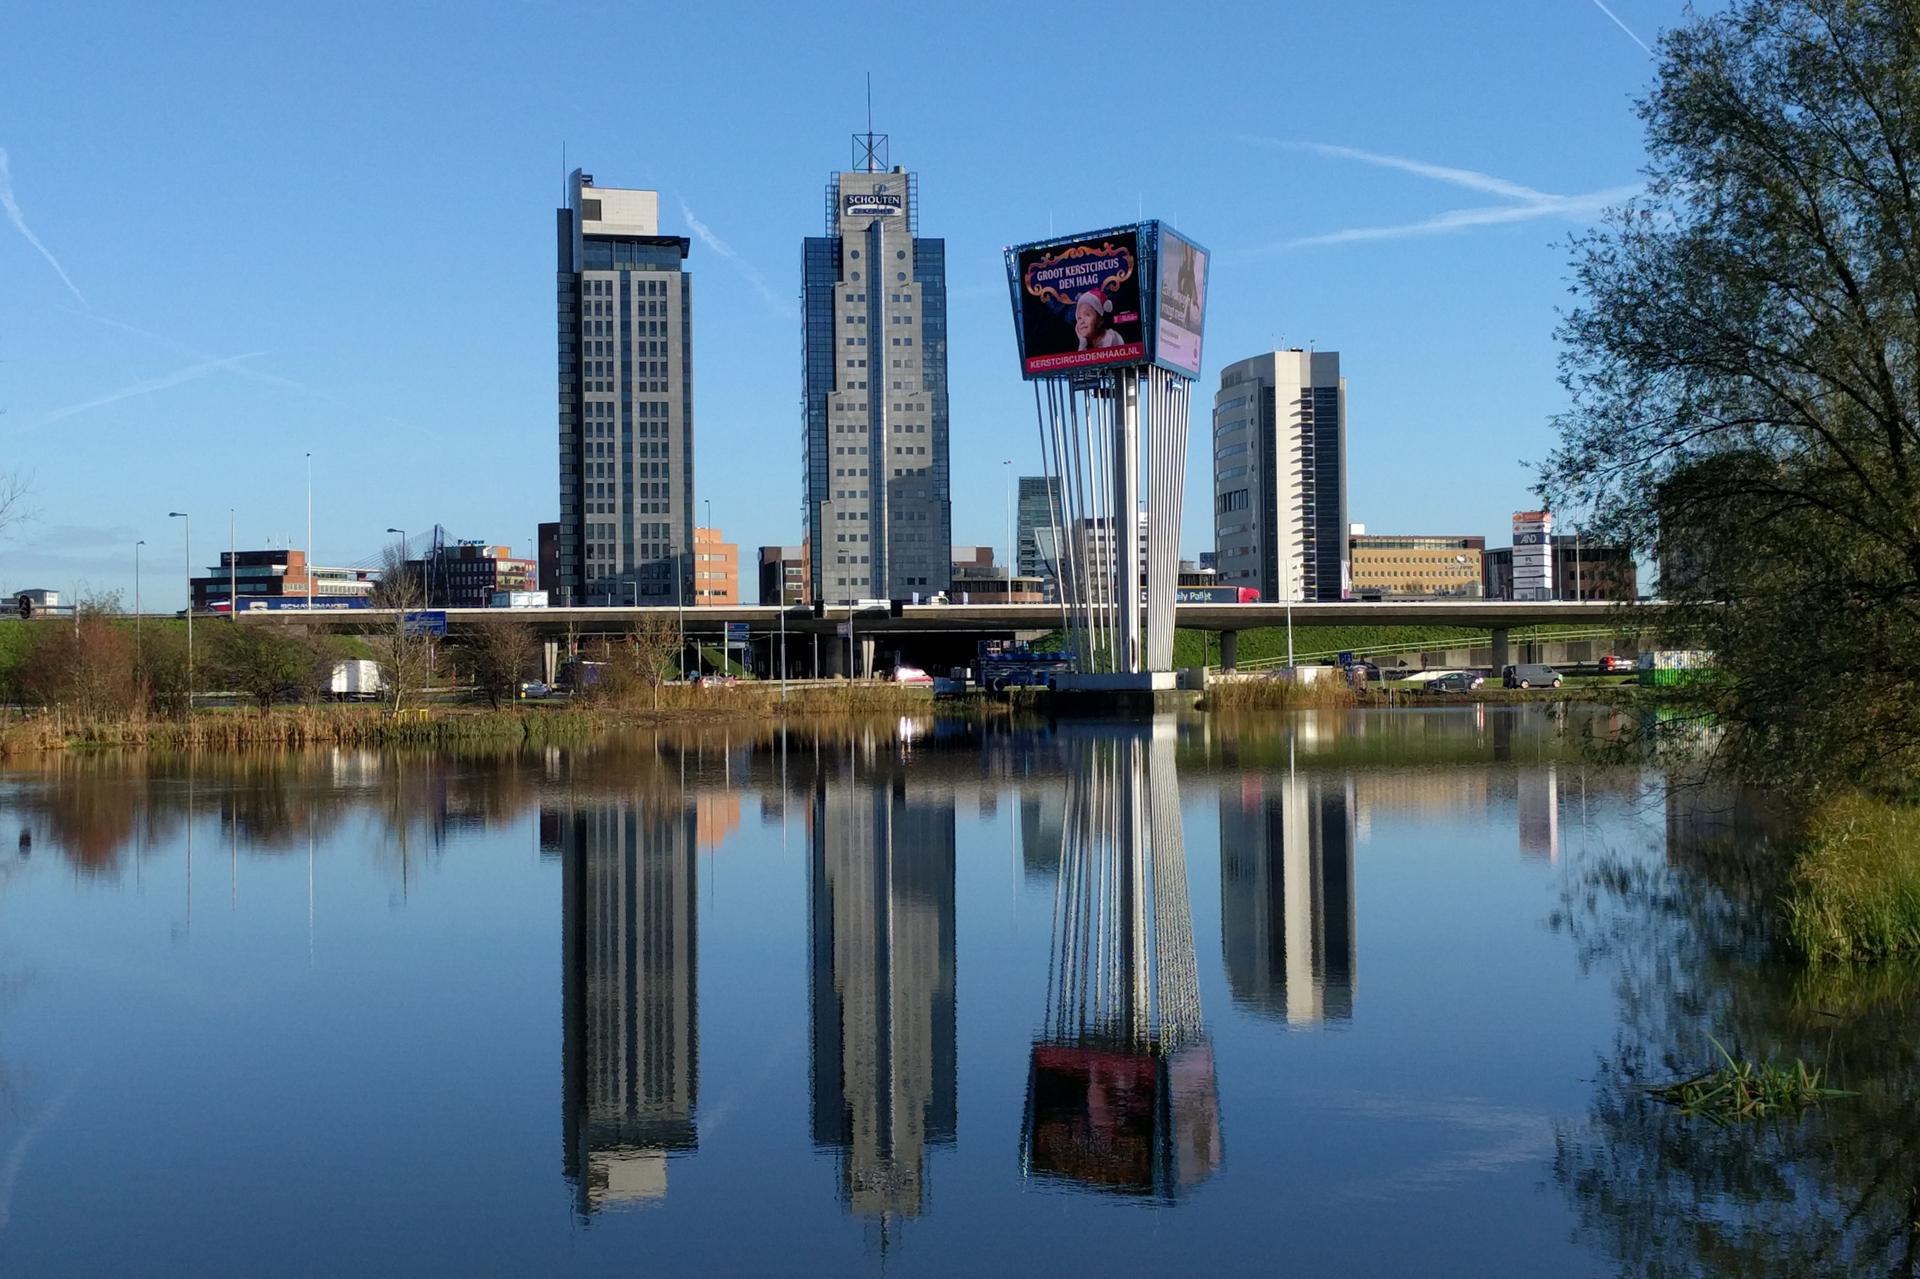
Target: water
[1362,993]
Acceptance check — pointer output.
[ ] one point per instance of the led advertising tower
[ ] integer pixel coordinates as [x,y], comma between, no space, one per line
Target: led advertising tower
[1109,326]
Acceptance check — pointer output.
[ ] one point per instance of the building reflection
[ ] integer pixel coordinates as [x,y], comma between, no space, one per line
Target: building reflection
[881,902]
[1287,923]
[631,1029]
[1121,1091]
[1537,801]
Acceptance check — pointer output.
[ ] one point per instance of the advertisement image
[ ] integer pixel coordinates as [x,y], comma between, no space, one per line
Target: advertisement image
[1183,303]
[1079,303]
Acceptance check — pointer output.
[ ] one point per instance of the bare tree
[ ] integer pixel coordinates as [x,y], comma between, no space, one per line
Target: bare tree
[502,650]
[644,659]
[13,499]
[401,648]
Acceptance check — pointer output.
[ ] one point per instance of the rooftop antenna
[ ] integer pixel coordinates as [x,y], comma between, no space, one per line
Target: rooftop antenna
[870,148]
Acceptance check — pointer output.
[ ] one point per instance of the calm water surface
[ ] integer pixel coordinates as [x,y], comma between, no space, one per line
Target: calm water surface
[1343,994]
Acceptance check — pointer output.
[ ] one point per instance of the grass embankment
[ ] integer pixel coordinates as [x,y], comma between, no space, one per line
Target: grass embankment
[1276,695]
[295,726]
[1854,892]
[1269,643]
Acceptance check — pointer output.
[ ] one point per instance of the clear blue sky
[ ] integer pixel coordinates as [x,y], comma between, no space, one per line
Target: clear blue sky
[264,229]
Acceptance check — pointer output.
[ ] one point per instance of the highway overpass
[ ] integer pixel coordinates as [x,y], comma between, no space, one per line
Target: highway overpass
[1495,617]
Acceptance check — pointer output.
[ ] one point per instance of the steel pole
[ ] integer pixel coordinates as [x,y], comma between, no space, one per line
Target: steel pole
[136,600]
[309,532]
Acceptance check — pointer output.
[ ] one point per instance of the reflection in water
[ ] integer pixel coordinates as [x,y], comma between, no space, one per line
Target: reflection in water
[1286,894]
[1121,1092]
[881,902]
[1538,796]
[630,1043]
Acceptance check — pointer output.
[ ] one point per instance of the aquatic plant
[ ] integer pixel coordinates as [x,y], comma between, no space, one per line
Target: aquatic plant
[1737,1090]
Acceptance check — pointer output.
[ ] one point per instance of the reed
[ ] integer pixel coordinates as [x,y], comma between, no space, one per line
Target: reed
[1855,888]
[1738,1091]
[1275,693]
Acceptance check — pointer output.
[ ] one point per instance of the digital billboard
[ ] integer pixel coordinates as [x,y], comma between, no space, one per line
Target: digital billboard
[1078,303]
[1181,317]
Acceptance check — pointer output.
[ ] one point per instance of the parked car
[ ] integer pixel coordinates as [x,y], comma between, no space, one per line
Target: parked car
[1456,682]
[534,688]
[911,675]
[1614,664]
[1530,675]
[711,680]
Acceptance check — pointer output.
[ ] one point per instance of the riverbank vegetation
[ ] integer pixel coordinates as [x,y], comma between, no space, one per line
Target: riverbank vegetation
[1742,359]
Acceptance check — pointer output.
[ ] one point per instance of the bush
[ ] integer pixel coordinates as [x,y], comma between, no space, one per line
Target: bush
[86,666]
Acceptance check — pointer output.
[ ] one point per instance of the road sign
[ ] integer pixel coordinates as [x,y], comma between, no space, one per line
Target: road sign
[736,632]
[426,622]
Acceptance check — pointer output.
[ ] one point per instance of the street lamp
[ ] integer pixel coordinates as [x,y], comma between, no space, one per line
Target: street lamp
[1007,469]
[233,573]
[696,564]
[309,532]
[188,528]
[136,599]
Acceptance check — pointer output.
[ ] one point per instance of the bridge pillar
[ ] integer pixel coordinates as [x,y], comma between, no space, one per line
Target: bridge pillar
[1500,654]
[828,658]
[866,660]
[1229,650]
[550,660]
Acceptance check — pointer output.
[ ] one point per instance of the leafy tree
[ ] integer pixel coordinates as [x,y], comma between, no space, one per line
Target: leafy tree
[1742,363]
[502,650]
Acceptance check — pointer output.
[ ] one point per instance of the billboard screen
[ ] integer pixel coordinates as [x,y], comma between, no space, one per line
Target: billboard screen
[1181,318]
[1078,303]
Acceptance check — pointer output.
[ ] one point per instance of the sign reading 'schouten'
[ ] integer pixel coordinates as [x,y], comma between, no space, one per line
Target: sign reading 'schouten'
[1079,303]
[865,204]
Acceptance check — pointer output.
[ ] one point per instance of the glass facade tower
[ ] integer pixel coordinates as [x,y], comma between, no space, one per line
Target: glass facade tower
[874,341]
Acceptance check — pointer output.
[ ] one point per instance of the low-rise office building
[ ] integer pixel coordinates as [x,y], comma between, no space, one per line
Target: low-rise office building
[466,574]
[783,575]
[716,568]
[1581,571]
[271,575]
[1393,566]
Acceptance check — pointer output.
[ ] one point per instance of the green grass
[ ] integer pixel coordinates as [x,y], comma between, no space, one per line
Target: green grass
[1739,1091]
[1855,892]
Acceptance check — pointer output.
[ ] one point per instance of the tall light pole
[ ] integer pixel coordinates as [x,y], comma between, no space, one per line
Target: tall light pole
[403,542]
[233,572]
[680,610]
[1289,595]
[182,515]
[696,566]
[1007,470]
[136,599]
[309,532]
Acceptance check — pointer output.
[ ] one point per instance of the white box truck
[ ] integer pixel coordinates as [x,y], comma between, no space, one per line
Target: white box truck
[355,680]
[519,599]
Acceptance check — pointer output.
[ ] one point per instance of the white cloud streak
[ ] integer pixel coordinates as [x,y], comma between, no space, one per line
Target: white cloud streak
[1470,179]
[1527,203]
[1600,4]
[148,386]
[748,271]
[1571,207]
[19,221]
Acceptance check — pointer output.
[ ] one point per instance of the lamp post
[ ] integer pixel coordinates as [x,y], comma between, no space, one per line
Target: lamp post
[1289,594]
[188,528]
[853,668]
[136,599]
[696,565]
[309,532]
[680,611]
[233,573]
[1007,469]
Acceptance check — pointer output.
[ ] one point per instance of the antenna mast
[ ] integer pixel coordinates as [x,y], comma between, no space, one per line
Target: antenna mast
[870,148]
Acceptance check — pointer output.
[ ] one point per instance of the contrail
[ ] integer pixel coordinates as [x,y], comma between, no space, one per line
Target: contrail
[1567,206]
[1623,26]
[1471,179]
[751,273]
[191,373]
[20,224]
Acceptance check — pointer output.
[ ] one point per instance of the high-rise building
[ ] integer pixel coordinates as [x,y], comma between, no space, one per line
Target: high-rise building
[626,401]
[874,327]
[1035,510]
[880,893]
[630,1025]
[1280,476]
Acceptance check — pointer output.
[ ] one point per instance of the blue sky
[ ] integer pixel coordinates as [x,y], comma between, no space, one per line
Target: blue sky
[235,234]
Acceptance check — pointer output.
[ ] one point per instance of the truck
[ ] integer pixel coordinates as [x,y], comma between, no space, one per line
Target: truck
[1663,668]
[1002,664]
[518,599]
[354,680]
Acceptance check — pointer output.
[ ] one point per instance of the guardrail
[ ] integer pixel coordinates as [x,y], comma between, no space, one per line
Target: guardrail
[1459,641]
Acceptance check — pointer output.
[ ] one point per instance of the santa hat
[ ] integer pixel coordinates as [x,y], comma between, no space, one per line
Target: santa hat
[1100,302]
